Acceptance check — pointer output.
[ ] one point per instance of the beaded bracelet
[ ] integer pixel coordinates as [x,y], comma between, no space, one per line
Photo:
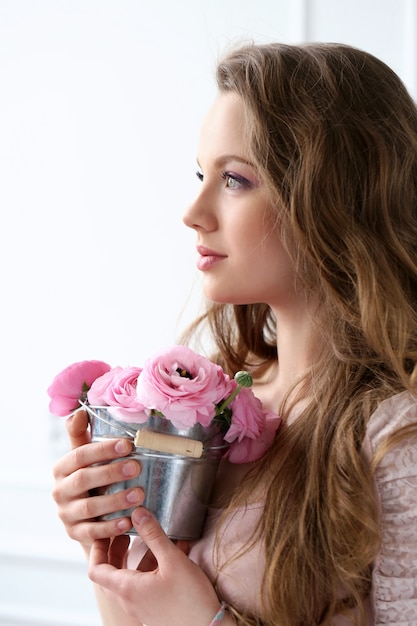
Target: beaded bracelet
[219,615]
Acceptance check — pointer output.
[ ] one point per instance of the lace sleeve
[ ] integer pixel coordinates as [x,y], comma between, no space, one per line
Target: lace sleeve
[394,584]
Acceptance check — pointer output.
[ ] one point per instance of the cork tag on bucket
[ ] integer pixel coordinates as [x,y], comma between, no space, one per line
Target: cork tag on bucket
[172,444]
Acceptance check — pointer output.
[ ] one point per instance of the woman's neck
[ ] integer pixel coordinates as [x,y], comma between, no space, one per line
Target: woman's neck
[298,348]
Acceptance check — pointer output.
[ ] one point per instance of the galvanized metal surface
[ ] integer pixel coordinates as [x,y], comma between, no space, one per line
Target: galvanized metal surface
[177,488]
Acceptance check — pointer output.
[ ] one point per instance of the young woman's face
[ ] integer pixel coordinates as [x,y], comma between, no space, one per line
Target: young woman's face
[240,253]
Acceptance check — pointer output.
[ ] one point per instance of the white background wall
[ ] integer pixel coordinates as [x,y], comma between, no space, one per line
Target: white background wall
[100,107]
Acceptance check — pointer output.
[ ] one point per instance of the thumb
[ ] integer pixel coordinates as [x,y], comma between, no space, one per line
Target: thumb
[152,534]
[77,429]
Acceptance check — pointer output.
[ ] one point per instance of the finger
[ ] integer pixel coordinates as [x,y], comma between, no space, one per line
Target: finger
[86,506]
[99,554]
[88,531]
[91,454]
[110,487]
[77,429]
[100,571]
[152,534]
[119,473]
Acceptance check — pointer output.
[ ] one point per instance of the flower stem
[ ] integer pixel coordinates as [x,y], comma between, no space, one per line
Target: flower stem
[243,379]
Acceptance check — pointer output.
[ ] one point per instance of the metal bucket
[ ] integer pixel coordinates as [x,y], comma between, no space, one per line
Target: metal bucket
[177,488]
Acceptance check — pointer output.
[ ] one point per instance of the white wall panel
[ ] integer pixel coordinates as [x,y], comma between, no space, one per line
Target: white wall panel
[43,573]
[409,46]
[386,28]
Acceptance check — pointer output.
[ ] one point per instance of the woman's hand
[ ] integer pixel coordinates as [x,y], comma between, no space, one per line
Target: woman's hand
[81,471]
[175,593]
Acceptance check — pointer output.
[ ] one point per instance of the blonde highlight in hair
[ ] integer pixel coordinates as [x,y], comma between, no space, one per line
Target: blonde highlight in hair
[334,134]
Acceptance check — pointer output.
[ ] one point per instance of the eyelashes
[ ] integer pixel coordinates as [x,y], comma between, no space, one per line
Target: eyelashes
[233,181]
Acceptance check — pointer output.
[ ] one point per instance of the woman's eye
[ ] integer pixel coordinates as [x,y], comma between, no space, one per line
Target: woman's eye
[199,175]
[235,182]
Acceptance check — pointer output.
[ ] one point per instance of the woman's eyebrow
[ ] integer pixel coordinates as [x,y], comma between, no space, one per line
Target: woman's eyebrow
[222,160]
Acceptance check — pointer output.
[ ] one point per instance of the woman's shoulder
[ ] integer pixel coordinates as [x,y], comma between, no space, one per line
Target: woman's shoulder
[391,440]
[392,414]
[394,580]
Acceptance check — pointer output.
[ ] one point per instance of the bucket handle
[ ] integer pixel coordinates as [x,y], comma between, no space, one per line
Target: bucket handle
[124,429]
[157,442]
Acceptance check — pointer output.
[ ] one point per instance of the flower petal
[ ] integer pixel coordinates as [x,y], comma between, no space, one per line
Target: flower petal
[68,386]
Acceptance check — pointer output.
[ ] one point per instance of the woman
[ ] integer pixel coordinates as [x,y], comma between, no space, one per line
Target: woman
[306,227]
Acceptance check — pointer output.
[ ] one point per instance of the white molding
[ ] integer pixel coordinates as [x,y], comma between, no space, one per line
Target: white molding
[41,537]
[409,73]
[300,21]
[32,616]
[40,588]
[38,480]
[42,553]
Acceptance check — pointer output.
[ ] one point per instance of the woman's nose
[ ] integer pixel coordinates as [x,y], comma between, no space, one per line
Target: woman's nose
[200,214]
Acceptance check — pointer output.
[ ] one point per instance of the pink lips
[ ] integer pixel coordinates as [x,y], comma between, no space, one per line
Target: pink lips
[208,258]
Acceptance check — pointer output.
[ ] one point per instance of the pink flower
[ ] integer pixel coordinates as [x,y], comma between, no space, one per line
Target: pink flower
[247,449]
[117,388]
[71,385]
[97,391]
[179,385]
[184,386]
[252,429]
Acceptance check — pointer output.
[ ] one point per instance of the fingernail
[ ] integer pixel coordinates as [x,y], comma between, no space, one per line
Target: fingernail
[133,497]
[121,446]
[123,524]
[141,515]
[129,468]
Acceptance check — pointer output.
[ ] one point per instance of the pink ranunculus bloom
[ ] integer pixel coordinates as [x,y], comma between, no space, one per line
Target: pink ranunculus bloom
[183,386]
[117,389]
[247,416]
[247,450]
[98,389]
[69,386]
[252,429]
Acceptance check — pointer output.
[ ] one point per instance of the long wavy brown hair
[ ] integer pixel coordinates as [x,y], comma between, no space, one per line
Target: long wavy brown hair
[333,133]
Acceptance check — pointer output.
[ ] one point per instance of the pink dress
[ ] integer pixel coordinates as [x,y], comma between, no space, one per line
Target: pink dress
[393,599]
